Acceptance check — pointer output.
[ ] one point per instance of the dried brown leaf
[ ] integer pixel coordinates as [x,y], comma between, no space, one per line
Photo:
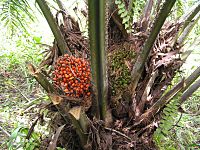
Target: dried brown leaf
[52,144]
[76,112]
[55,99]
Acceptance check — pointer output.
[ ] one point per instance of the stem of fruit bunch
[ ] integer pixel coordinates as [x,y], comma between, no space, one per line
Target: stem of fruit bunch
[41,79]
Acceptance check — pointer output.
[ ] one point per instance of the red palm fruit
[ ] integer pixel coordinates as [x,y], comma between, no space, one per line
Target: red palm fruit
[66,55]
[59,76]
[64,79]
[71,78]
[66,76]
[66,90]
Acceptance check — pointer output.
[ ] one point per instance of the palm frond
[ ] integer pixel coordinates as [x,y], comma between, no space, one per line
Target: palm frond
[54,26]
[15,15]
[188,29]
[97,34]
[181,87]
[140,62]
[190,15]
[190,91]
[144,20]
[188,20]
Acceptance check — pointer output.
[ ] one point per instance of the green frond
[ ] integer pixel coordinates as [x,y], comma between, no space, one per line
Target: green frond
[179,8]
[129,14]
[186,19]
[188,29]
[167,121]
[15,14]
[54,26]
[190,91]
[178,89]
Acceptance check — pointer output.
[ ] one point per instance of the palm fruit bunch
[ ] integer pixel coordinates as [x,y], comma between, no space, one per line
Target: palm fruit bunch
[120,74]
[72,75]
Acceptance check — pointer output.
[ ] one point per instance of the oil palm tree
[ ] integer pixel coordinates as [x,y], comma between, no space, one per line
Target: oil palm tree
[134,54]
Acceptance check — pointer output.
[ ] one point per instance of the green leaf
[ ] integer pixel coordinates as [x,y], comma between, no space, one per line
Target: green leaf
[118,2]
[158,131]
[124,14]
[166,112]
[126,25]
[121,11]
[35,136]
[164,127]
[167,109]
[32,146]
[24,130]
[126,19]
[15,133]
[37,39]
[169,118]
[165,131]
[162,136]
[122,5]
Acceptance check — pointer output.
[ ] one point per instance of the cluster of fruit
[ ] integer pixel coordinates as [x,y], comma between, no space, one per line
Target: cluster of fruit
[73,76]
[120,74]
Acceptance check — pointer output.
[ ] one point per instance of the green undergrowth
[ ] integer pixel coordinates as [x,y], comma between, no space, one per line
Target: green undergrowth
[21,97]
[176,130]
[19,106]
